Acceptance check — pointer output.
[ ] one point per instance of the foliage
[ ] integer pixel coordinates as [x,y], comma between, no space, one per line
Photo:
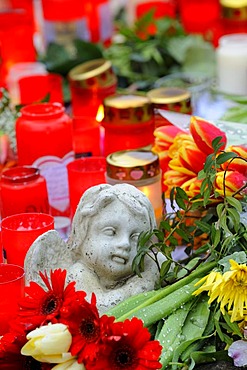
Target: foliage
[197,331]
[216,220]
[141,57]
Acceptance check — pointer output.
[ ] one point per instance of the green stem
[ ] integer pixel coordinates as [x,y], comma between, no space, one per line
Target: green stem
[161,293]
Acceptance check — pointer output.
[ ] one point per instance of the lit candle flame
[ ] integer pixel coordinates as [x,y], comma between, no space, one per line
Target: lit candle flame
[100,113]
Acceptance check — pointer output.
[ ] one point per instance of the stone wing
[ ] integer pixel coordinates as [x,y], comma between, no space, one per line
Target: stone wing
[48,252]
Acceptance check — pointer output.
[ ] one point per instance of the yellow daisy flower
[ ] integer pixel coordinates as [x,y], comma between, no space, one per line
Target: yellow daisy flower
[233,291]
[211,282]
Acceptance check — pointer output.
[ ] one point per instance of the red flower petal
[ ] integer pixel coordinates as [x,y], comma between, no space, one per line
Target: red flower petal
[204,133]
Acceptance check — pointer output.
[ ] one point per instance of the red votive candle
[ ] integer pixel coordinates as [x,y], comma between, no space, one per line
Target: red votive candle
[84,173]
[23,190]
[44,140]
[20,231]
[90,83]
[12,282]
[128,122]
[16,39]
[86,137]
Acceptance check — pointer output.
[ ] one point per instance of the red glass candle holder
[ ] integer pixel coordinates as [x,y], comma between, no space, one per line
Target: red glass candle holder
[90,83]
[86,137]
[128,122]
[16,29]
[43,129]
[20,231]
[201,17]
[64,21]
[23,190]
[12,283]
[84,173]
[46,85]
[233,17]
[100,21]
[44,140]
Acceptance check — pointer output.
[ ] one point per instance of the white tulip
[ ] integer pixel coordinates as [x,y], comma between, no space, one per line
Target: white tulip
[49,343]
[69,365]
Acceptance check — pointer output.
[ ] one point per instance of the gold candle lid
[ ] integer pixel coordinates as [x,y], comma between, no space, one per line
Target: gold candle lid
[234,9]
[168,95]
[132,165]
[93,74]
[127,109]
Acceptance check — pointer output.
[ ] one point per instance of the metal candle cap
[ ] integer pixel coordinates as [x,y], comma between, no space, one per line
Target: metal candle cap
[166,95]
[127,109]
[132,165]
[93,74]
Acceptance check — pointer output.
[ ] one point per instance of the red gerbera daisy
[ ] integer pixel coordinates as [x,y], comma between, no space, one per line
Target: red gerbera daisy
[129,348]
[41,306]
[87,329]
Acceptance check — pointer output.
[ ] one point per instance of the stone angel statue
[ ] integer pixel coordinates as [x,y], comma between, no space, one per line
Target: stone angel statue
[101,246]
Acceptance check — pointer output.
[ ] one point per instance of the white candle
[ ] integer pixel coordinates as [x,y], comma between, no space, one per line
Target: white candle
[231,62]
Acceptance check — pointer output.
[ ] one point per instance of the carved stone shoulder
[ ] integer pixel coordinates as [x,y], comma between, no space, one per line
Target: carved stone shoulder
[48,251]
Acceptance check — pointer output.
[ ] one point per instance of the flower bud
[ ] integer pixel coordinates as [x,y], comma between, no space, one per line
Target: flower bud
[49,343]
[71,365]
[232,180]
[237,164]
[204,133]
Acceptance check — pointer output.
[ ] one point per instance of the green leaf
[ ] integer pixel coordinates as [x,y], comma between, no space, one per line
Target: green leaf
[165,267]
[235,203]
[224,157]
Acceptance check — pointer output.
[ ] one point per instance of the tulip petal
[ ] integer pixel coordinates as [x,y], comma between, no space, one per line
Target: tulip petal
[204,133]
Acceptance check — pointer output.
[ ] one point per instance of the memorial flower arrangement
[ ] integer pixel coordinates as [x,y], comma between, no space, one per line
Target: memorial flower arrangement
[196,314]
[56,327]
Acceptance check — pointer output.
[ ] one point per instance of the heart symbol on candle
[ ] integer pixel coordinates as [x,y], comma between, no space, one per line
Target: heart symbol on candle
[137,174]
[55,172]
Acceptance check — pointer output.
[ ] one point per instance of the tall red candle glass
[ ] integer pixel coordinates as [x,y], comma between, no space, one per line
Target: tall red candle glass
[84,173]
[99,20]
[44,140]
[23,190]
[64,21]
[90,83]
[86,137]
[20,231]
[201,17]
[12,283]
[16,39]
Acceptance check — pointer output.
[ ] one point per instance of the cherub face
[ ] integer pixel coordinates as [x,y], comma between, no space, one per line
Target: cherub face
[111,242]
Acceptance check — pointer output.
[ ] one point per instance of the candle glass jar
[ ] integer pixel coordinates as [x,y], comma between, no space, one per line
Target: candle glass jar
[19,231]
[63,22]
[233,16]
[90,83]
[141,169]
[44,140]
[23,190]
[231,64]
[16,28]
[128,122]
[169,98]
[12,286]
